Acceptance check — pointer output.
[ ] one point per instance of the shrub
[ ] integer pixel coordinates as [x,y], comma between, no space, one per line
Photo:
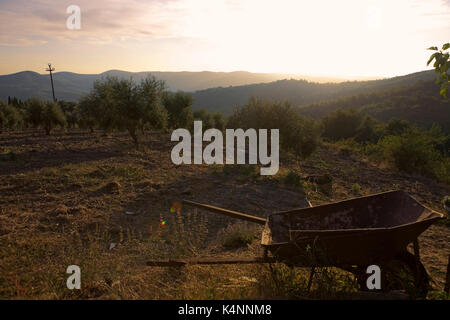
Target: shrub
[412,152]
[342,124]
[298,134]
[292,178]
[356,188]
[397,127]
[237,236]
[369,131]
[441,141]
[349,146]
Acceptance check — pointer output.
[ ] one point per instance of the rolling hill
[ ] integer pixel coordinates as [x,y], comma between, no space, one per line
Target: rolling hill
[298,92]
[71,86]
[419,103]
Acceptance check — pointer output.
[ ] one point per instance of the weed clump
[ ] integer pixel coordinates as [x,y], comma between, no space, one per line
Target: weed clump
[356,189]
[111,187]
[237,236]
[294,179]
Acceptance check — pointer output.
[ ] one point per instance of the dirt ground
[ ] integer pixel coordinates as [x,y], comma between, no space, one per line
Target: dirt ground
[53,188]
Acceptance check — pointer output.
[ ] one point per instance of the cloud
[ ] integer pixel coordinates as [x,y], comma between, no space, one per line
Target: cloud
[27,22]
[257,35]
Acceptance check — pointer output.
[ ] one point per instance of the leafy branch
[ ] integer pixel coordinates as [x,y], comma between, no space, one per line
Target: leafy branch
[441,65]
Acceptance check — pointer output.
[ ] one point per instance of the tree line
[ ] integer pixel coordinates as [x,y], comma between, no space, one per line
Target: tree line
[119,104]
[399,143]
[419,103]
[124,105]
[112,104]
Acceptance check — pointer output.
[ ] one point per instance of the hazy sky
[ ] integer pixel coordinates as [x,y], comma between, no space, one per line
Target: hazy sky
[343,38]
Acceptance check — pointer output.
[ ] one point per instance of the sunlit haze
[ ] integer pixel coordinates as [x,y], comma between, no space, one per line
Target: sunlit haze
[348,38]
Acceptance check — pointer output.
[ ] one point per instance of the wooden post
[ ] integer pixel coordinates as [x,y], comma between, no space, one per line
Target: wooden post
[226,212]
[208,261]
[50,69]
[447,279]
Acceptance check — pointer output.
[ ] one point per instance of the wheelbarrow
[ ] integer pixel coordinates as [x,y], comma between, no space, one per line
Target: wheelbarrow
[351,235]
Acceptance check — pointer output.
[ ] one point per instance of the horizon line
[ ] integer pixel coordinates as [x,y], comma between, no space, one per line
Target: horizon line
[343,78]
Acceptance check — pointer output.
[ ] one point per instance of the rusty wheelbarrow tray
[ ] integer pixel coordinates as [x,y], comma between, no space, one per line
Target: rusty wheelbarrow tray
[350,234]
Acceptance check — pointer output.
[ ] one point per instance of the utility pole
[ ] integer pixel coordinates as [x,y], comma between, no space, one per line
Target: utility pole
[50,69]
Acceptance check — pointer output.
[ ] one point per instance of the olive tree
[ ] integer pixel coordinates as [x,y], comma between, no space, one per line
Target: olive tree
[47,115]
[150,106]
[178,106]
[34,109]
[52,116]
[10,117]
[122,104]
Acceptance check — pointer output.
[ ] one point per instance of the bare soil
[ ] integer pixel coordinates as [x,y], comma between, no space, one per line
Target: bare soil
[70,185]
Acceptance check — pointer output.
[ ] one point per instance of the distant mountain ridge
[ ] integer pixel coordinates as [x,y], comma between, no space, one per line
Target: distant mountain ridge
[298,92]
[71,86]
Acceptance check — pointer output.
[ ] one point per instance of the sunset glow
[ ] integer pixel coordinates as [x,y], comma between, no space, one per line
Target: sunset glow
[347,38]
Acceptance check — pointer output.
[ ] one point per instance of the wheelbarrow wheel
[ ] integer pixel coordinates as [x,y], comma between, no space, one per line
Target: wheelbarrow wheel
[407,273]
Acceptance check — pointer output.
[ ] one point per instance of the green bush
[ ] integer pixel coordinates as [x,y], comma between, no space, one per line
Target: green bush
[237,236]
[298,134]
[342,124]
[413,152]
[369,131]
[356,188]
[292,178]
[397,127]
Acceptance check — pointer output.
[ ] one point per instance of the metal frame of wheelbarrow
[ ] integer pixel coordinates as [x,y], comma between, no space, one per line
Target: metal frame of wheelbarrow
[412,261]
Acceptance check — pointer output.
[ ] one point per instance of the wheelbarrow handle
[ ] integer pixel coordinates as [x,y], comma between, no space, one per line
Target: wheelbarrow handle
[226,212]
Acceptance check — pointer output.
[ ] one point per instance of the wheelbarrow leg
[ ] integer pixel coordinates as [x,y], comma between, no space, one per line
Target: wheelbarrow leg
[406,272]
[418,263]
[361,277]
[447,278]
[311,276]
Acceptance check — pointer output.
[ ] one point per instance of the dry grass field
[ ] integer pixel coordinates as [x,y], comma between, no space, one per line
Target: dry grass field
[96,201]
